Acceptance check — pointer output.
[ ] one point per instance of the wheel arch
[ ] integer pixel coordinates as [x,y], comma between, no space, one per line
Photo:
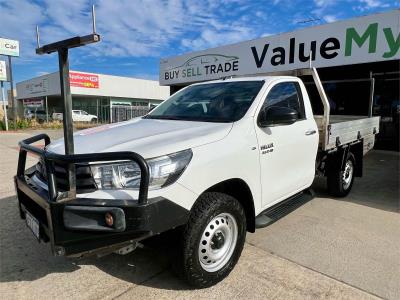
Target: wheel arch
[239,189]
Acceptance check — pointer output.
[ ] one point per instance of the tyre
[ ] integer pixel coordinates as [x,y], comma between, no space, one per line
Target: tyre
[341,181]
[212,240]
[93,120]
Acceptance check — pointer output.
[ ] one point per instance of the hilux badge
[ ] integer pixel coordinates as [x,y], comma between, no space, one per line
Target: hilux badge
[267,148]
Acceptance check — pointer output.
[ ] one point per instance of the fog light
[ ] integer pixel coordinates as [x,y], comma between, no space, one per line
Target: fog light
[108,217]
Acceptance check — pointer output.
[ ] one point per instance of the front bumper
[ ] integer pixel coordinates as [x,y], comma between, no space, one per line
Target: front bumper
[76,226]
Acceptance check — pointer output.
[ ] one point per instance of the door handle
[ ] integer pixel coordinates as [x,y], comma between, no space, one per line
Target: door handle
[311,132]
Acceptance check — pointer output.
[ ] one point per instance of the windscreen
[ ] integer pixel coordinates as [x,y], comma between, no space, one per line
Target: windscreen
[214,102]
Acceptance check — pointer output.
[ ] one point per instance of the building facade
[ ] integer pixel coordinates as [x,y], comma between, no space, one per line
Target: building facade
[110,98]
[357,59]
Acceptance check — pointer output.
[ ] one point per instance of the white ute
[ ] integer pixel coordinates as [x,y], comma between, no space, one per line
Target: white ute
[233,155]
[77,116]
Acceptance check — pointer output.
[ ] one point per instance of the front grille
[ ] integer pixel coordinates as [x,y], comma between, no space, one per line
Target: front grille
[84,178]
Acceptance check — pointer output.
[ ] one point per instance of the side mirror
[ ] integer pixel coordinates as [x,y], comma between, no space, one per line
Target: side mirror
[277,115]
[151,108]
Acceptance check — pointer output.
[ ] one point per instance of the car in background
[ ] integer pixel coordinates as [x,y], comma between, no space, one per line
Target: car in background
[77,116]
[39,114]
[28,114]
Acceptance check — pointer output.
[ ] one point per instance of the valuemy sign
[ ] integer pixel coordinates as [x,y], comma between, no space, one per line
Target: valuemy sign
[84,80]
[9,47]
[361,40]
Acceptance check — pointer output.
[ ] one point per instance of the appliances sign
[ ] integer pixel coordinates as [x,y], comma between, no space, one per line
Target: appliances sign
[84,80]
[9,47]
[361,40]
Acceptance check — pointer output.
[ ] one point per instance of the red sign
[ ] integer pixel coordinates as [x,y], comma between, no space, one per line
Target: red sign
[33,102]
[84,80]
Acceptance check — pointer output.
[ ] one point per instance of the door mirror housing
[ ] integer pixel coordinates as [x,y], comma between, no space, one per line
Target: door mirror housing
[277,115]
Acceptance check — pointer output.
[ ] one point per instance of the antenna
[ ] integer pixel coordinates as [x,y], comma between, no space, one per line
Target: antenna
[71,42]
[37,36]
[93,19]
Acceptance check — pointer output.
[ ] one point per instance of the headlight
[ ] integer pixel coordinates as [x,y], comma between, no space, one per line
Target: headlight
[164,170]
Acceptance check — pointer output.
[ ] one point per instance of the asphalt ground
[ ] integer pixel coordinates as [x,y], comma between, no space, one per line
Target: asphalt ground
[327,249]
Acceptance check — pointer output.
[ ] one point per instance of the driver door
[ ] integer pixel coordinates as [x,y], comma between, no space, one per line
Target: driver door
[287,152]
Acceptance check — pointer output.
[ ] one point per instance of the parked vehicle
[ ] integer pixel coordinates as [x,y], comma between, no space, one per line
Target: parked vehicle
[216,159]
[77,116]
[41,116]
[38,114]
[28,114]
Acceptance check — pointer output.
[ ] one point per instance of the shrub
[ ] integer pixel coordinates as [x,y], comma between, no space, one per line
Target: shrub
[34,124]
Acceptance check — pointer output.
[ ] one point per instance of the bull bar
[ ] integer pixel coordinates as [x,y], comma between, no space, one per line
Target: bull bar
[71,223]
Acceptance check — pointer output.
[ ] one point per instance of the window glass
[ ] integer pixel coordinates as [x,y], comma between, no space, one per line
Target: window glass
[213,102]
[286,94]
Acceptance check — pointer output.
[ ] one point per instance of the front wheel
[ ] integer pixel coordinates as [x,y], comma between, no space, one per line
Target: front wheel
[213,239]
[341,181]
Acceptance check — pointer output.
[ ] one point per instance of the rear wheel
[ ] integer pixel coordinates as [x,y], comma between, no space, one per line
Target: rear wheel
[212,240]
[341,181]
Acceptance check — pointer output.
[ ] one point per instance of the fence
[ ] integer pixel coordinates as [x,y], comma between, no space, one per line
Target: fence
[119,113]
[123,113]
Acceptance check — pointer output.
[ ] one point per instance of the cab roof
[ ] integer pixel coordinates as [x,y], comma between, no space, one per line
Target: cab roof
[246,78]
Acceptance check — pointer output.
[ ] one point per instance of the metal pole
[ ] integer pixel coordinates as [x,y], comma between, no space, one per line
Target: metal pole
[371,95]
[93,20]
[47,112]
[67,114]
[12,93]
[325,102]
[97,109]
[37,36]
[4,105]
[111,111]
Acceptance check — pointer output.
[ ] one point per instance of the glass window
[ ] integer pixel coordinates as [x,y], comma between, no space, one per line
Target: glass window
[213,102]
[286,94]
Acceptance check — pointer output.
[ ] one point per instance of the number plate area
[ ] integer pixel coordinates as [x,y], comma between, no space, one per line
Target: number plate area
[33,224]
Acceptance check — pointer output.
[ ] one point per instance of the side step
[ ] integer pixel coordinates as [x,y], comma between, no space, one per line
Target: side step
[281,209]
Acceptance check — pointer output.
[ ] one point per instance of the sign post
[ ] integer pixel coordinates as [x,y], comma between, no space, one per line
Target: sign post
[47,111]
[3,77]
[14,104]
[10,48]
[4,105]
